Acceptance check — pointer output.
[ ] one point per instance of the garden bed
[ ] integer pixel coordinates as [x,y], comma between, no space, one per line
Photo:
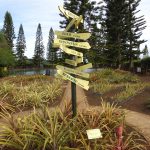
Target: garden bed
[26,92]
[57,130]
[134,94]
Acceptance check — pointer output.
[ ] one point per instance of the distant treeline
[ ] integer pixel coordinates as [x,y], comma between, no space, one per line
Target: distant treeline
[115,28]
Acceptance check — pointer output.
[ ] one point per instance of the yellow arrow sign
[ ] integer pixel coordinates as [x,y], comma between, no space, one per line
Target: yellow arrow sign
[70,24]
[84,67]
[84,45]
[68,14]
[71,62]
[70,51]
[79,60]
[82,36]
[72,71]
[83,83]
[79,20]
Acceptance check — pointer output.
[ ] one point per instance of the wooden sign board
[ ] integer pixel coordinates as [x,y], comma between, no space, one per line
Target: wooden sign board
[70,51]
[84,45]
[68,14]
[78,21]
[71,62]
[70,24]
[72,71]
[82,36]
[80,82]
[84,67]
[79,60]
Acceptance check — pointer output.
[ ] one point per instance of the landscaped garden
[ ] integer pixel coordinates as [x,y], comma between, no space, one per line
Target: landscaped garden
[121,87]
[45,128]
[101,110]
[26,92]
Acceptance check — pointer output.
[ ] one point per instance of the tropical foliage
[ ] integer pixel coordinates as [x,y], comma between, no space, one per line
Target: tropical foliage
[107,79]
[56,130]
[30,92]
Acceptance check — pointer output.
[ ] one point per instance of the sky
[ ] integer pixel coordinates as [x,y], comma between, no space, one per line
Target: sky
[30,13]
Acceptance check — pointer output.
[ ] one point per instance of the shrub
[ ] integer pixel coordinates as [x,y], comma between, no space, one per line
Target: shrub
[3,71]
[130,90]
[101,87]
[113,76]
[54,130]
[145,63]
[38,92]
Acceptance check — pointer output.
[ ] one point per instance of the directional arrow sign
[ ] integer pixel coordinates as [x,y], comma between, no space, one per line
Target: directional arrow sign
[68,14]
[70,51]
[71,62]
[72,71]
[80,82]
[84,45]
[70,24]
[82,36]
[79,20]
[79,60]
[84,67]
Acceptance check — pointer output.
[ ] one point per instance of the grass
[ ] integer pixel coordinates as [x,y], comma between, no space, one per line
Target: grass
[32,91]
[57,131]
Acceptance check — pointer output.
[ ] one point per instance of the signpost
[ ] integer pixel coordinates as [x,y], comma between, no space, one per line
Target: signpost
[84,45]
[73,71]
[82,36]
[64,44]
[68,14]
[71,52]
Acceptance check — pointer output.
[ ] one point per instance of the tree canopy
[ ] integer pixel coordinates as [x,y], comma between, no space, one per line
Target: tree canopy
[6,56]
[8,29]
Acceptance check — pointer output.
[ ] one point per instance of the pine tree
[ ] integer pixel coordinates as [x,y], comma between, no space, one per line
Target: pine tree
[6,55]
[115,29]
[20,46]
[86,8]
[8,29]
[124,30]
[97,39]
[68,5]
[51,52]
[39,47]
[135,26]
[92,15]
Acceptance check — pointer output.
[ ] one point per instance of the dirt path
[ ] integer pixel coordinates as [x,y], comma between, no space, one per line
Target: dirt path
[81,98]
[141,122]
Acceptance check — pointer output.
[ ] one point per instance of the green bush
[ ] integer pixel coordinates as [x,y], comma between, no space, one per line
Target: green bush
[145,63]
[114,76]
[3,71]
[37,92]
[130,90]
